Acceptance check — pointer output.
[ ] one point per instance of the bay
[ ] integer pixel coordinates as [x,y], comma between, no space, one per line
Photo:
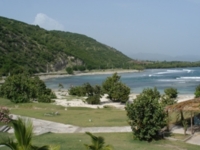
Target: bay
[184,80]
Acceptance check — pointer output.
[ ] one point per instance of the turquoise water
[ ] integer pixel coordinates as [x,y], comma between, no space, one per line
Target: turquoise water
[184,80]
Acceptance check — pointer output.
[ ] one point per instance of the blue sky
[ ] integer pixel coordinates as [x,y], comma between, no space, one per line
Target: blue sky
[170,27]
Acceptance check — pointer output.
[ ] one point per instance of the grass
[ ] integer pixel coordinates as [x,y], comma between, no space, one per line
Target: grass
[73,115]
[119,141]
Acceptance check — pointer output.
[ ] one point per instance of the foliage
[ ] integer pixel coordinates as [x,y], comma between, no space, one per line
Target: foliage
[166,100]
[185,126]
[98,143]
[22,88]
[77,90]
[93,93]
[30,47]
[69,70]
[171,92]
[197,91]
[151,93]
[116,90]
[23,132]
[94,99]
[146,116]
[4,115]
[60,86]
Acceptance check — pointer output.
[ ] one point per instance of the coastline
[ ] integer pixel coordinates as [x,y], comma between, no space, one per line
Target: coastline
[60,75]
[66,100]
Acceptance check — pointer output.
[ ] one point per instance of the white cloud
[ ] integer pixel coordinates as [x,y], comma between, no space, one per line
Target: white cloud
[47,23]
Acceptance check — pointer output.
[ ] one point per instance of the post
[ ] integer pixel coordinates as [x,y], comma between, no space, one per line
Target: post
[191,123]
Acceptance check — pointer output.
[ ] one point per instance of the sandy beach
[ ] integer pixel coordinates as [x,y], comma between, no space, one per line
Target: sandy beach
[65,100]
[60,75]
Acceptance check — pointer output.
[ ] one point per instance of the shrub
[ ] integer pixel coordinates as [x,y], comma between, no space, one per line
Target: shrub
[95,99]
[171,92]
[146,116]
[69,70]
[116,90]
[197,91]
[22,88]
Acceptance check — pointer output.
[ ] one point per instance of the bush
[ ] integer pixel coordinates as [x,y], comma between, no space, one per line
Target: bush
[197,92]
[171,92]
[146,116]
[78,91]
[44,99]
[69,70]
[116,90]
[95,99]
[22,88]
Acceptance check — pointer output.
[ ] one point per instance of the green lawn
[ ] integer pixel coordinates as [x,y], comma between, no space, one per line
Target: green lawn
[120,141]
[74,116]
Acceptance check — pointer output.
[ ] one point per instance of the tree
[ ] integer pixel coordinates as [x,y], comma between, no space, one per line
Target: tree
[23,132]
[197,91]
[69,70]
[98,143]
[171,92]
[116,90]
[22,88]
[146,116]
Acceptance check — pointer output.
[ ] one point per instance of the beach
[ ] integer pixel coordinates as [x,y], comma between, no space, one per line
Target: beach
[46,76]
[65,100]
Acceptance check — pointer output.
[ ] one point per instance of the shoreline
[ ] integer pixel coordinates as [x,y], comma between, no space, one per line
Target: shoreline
[65,100]
[50,76]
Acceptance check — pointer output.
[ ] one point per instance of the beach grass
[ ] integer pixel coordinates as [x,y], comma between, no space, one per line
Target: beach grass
[119,141]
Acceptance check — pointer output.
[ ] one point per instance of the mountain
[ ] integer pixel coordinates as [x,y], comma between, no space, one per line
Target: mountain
[162,57]
[24,46]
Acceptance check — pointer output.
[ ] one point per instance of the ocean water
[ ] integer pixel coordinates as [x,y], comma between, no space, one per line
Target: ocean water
[184,80]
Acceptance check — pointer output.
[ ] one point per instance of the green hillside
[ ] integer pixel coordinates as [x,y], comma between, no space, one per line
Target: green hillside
[38,50]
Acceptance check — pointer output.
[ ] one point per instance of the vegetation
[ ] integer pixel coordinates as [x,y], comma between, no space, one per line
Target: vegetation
[119,141]
[4,115]
[93,93]
[69,70]
[197,91]
[146,116]
[22,88]
[23,132]
[171,92]
[116,90]
[169,97]
[98,143]
[29,47]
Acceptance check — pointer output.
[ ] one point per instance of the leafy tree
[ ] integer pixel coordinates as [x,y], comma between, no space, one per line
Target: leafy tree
[152,93]
[197,91]
[21,88]
[166,100]
[98,143]
[69,70]
[23,132]
[116,90]
[146,116]
[171,92]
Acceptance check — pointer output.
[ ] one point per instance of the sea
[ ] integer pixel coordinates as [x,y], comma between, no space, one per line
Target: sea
[185,80]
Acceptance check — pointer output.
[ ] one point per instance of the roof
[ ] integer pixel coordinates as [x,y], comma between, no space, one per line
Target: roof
[189,105]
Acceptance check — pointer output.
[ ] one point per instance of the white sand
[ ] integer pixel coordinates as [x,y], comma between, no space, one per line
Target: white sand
[48,76]
[62,99]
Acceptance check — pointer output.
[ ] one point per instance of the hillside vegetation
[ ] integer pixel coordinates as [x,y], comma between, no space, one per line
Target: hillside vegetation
[29,47]
[38,50]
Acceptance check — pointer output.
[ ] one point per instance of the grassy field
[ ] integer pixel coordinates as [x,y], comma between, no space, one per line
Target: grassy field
[80,117]
[120,141]
[74,116]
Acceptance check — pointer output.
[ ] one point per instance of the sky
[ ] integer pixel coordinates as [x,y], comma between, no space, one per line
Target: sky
[168,27]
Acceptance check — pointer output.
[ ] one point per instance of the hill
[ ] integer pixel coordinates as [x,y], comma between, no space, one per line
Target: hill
[24,46]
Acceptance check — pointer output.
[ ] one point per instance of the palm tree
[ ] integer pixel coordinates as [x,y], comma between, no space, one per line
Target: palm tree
[97,143]
[23,132]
